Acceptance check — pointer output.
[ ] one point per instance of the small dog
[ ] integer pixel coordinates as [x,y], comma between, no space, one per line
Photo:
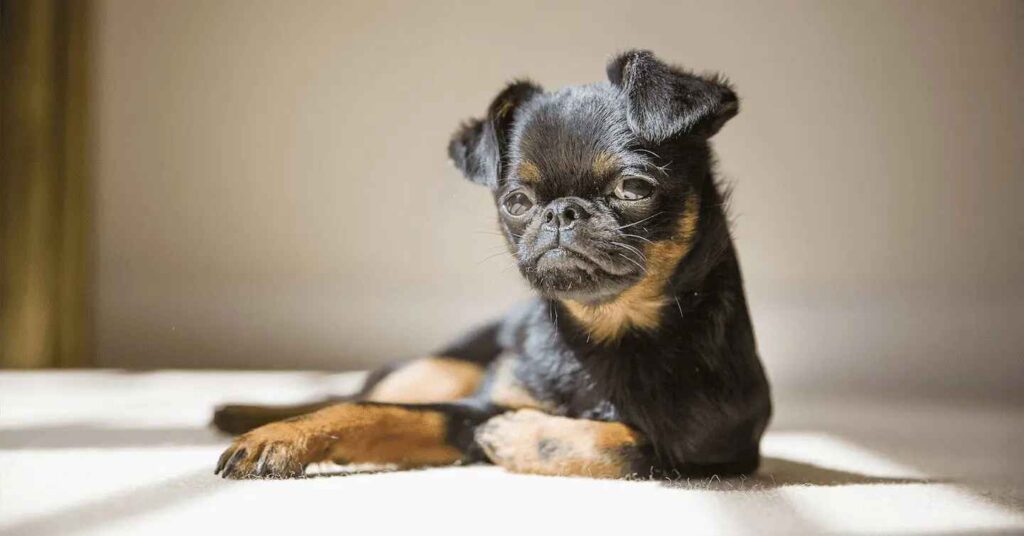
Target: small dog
[637,359]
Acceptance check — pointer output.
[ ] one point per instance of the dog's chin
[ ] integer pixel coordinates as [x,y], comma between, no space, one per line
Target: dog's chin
[566,275]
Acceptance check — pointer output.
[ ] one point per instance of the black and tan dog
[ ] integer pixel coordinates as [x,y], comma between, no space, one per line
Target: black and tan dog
[638,356]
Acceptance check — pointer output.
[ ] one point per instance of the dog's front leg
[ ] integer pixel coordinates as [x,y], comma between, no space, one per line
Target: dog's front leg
[409,435]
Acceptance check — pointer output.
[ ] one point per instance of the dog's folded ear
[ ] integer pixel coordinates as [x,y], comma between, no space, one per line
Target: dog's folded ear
[479,148]
[664,101]
[474,150]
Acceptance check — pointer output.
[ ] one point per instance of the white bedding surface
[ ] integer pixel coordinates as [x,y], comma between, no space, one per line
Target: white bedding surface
[108,452]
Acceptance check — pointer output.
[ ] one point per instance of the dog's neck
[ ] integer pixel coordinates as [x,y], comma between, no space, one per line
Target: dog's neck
[640,306]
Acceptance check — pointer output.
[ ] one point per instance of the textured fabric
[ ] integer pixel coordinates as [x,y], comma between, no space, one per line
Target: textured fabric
[130,453]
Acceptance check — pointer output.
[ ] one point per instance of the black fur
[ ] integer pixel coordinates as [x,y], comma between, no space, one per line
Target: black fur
[664,101]
[691,383]
[479,147]
[694,386]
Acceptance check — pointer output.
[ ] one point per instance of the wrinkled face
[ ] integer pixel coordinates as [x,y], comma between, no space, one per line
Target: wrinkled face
[581,199]
[598,187]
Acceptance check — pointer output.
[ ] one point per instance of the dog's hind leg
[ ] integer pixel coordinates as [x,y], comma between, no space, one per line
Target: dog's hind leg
[453,373]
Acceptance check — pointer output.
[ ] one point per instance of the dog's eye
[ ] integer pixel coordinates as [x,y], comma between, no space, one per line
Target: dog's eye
[633,189]
[518,203]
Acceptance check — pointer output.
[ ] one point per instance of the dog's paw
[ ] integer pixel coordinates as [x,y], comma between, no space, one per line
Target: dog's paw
[515,440]
[529,441]
[276,450]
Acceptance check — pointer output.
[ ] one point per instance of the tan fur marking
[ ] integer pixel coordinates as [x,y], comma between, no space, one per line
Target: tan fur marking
[528,171]
[426,380]
[507,391]
[604,164]
[528,441]
[368,434]
[640,305]
[354,433]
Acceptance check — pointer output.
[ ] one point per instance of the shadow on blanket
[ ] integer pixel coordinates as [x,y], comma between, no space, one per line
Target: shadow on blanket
[774,472]
[75,436]
[779,472]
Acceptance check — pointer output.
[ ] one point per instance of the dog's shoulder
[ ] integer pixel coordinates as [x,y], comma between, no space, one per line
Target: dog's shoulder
[538,369]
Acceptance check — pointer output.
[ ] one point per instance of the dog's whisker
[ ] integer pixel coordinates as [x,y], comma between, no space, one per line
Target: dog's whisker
[489,257]
[647,151]
[638,265]
[496,233]
[639,222]
[631,249]
[638,237]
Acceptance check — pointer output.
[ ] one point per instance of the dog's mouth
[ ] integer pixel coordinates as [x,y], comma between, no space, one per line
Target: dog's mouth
[567,271]
[559,258]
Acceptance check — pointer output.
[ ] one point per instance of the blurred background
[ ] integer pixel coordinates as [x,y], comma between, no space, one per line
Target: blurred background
[264,185]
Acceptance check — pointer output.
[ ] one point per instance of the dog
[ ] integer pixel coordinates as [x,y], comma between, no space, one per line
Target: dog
[637,357]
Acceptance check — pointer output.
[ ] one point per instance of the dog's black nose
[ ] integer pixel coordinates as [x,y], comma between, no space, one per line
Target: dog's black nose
[563,213]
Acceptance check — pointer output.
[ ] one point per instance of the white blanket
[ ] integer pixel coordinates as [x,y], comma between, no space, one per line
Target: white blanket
[130,453]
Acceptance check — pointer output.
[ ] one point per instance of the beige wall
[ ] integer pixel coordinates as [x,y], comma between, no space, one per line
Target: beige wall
[273,189]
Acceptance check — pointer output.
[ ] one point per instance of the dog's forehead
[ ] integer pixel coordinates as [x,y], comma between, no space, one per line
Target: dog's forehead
[571,135]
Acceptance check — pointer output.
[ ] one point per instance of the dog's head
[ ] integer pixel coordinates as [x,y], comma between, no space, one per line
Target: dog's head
[597,187]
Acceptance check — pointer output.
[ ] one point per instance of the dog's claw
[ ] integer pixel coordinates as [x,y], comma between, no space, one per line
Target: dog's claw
[233,462]
[272,451]
[261,464]
[222,461]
